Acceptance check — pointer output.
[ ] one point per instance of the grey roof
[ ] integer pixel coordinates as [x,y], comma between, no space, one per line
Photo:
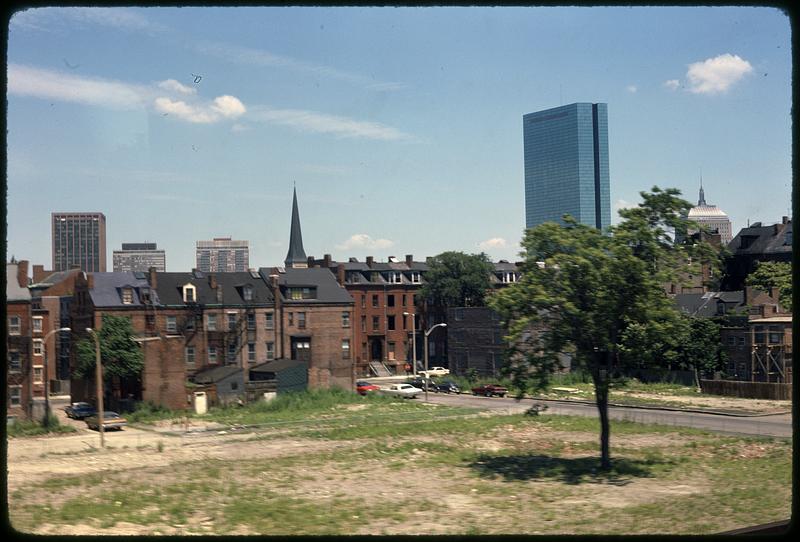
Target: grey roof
[770,239]
[328,289]
[705,304]
[296,253]
[15,292]
[217,374]
[107,289]
[276,365]
[170,288]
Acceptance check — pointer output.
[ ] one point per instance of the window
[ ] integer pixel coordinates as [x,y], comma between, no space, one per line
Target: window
[290,317]
[301,320]
[391,350]
[395,277]
[37,347]
[363,323]
[741,341]
[14,325]
[37,324]
[38,371]
[390,322]
[270,350]
[127,296]
[390,300]
[150,321]
[15,395]
[189,354]
[375,300]
[231,321]
[190,323]
[212,355]
[459,314]
[144,295]
[247,293]
[302,293]
[172,325]
[251,352]
[345,319]
[270,318]
[232,352]
[211,324]
[189,294]
[364,301]
[345,348]
[415,277]
[404,300]
[14,361]
[234,386]
[251,321]
[731,340]
[376,323]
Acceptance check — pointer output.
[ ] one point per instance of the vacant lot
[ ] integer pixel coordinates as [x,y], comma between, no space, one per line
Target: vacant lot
[441,472]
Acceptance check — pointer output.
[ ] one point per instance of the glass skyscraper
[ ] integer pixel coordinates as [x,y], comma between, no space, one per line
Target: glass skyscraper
[566,165]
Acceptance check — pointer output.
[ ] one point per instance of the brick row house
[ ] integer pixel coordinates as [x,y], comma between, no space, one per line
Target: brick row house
[19,344]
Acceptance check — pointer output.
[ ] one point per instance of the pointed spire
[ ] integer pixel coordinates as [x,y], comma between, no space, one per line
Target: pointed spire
[702,200]
[296,257]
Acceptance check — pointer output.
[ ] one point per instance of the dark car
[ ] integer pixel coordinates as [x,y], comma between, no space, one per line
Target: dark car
[111,420]
[79,411]
[420,383]
[447,387]
[489,390]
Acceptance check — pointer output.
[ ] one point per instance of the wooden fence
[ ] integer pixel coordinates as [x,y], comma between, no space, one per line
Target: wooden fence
[749,390]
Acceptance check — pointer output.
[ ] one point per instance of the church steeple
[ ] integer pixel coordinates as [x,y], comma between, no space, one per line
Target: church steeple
[296,257]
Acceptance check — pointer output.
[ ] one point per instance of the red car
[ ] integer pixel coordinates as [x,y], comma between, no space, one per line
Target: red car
[363,387]
[489,390]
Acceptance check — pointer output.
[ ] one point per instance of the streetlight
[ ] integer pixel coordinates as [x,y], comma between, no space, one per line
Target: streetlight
[413,339]
[99,378]
[426,356]
[47,375]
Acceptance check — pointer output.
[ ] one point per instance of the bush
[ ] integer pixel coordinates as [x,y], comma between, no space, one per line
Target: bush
[148,412]
[30,428]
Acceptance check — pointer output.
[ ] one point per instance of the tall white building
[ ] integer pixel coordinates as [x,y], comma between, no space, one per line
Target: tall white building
[139,257]
[712,217]
[222,254]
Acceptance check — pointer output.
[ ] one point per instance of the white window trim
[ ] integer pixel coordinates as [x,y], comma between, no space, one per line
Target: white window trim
[19,362]
[41,371]
[186,351]
[40,321]
[174,327]
[40,343]
[208,322]
[18,325]
[127,296]
[186,289]
[215,359]
[18,395]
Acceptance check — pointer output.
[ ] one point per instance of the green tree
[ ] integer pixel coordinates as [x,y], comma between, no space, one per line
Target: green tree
[456,279]
[595,294]
[773,275]
[700,346]
[119,353]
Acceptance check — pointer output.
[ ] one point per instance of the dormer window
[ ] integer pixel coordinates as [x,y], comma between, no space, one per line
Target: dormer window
[508,277]
[127,296]
[247,292]
[189,294]
[395,277]
[144,295]
[415,277]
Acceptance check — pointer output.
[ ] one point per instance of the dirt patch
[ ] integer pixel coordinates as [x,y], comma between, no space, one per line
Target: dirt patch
[712,402]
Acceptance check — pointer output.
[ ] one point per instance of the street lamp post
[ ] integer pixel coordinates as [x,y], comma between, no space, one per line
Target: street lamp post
[413,340]
[426,356]
[99,378]
[47,375]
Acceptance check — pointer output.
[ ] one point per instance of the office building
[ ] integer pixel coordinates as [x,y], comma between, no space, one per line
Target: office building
[139,257]
[713,218]
[79,239]
[222,254]
[566,165]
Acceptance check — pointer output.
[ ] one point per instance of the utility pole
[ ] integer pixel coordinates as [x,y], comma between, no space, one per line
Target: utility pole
[99,378]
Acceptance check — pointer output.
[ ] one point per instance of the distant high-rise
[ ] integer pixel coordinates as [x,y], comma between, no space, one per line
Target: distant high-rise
[566,165]
[712,217]
[79,239]
[139,257]
[223,254]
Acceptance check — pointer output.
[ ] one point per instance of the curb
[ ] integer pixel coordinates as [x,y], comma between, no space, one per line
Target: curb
[670,409]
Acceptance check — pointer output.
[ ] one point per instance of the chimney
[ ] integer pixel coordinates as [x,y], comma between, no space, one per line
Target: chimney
[327,260]
[38,273]
[151,278]
[748,294]
[212,281]
[409,259]
[340,274]
[310,261]
[89,281]
[22,273]
[370,260]
[784,220]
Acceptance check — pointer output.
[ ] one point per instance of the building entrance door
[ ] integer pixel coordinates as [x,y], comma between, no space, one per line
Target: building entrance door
[376,350]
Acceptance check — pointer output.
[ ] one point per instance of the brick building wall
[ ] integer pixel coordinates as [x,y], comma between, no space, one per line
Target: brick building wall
[18,358]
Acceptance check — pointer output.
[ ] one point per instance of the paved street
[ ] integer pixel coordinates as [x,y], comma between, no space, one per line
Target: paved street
[777,425]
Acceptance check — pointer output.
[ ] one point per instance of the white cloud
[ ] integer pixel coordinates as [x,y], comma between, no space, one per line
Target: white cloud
[54,18]
[672,84]
[174,86]
[632,89]
[362,240]
[53,85]
[222,107]
[344,127]
[716,75]
[493,243]
[622,204]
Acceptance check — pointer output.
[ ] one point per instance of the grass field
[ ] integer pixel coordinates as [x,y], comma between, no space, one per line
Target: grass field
[383,467]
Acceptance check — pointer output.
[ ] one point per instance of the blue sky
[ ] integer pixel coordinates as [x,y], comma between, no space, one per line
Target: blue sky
[401,127]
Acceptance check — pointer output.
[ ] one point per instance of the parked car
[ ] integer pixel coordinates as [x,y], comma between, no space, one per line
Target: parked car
[447,387]
[489,390]
[79,411]
[363,387]
[111,420]
[435,371]
[420,383]
[406,391]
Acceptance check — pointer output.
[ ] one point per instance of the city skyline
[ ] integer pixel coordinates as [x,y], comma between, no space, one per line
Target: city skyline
[398,126]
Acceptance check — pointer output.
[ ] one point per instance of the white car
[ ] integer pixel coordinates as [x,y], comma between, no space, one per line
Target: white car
[406,391]
[435,371]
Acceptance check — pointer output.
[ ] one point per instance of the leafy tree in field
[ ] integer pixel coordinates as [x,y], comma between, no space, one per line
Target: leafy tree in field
[700,347]
[598,296]
[774,275]
[455,279]
[119,354]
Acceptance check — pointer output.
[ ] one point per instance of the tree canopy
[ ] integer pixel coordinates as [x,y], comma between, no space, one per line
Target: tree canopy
[456,279]
[774,275]
[119,353]
[598,296]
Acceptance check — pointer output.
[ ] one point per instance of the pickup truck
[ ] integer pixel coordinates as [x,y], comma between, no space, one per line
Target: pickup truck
[406,391]
[435,371]
[489,390]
